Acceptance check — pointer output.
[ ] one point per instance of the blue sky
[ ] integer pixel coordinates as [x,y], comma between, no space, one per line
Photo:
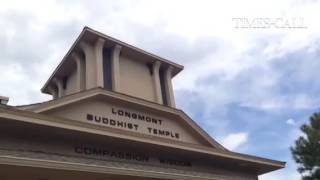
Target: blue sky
[249,88]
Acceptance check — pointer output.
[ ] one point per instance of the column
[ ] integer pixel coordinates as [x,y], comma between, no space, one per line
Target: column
[81,72]
[156,81]
[59,85]
[168,86]
[91,79]
[98,50]
[53,92]
[115,69]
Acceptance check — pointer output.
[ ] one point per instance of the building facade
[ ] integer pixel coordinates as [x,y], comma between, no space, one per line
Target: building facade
[113,117]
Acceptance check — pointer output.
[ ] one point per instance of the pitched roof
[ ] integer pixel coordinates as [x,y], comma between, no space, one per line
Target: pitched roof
[119,97]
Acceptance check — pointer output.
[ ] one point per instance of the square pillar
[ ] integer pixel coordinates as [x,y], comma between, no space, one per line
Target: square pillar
[156,81]
[81,72]
[98,50]
[168,87]
[91,70]
[115,69]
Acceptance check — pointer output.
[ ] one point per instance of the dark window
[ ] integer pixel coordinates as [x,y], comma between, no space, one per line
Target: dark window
[84,73]
[150,67]
[107,68]
[163,88]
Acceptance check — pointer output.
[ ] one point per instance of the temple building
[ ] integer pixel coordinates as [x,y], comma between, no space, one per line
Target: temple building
[113,117]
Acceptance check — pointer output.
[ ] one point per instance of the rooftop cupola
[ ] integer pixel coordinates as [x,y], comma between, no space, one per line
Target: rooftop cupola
[96,60]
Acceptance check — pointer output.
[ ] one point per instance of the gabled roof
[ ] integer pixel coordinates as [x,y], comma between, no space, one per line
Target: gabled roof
[119,97]
[90,36]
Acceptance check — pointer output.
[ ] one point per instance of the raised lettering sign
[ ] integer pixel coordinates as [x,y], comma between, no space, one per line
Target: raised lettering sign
[125,155]
[134,119]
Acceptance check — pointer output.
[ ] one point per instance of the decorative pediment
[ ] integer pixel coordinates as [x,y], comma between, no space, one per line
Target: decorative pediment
[100,108]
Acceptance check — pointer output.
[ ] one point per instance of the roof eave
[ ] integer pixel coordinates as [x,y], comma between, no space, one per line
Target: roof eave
[178,67]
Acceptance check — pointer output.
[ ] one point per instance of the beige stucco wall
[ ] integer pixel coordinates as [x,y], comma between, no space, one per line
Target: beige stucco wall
[102,109]
[44,143]
[135,79]
[71,83]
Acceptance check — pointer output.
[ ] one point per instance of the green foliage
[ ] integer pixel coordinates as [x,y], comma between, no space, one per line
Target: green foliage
[306,151]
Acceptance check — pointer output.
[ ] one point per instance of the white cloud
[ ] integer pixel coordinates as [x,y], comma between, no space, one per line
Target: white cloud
[291,121]
[281,175]
[290,172]
[280,102]
[234,141]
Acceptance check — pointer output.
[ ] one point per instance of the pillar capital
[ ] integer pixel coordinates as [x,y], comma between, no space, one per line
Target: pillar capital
[157,64]
[75,57]
[53,92]
[117,47]
[84,46]
[59,85]
[170,70]
[100,42]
